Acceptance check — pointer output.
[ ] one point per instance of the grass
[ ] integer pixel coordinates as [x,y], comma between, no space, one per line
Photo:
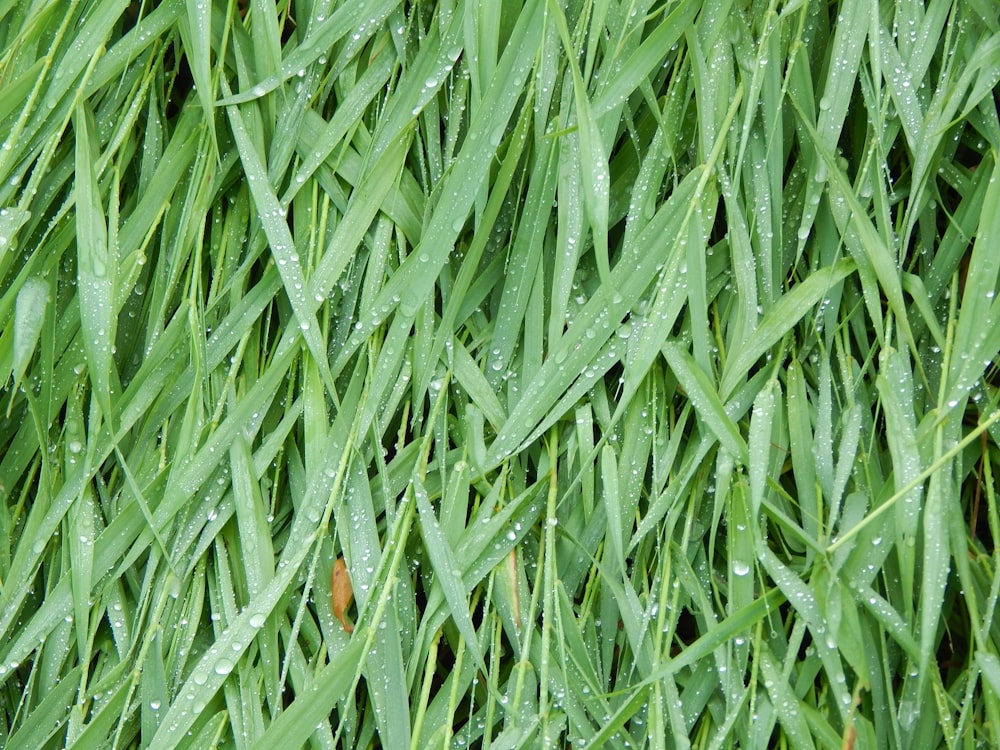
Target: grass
[634,362]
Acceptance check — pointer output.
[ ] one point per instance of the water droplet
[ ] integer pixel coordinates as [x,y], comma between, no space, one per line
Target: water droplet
[223,666]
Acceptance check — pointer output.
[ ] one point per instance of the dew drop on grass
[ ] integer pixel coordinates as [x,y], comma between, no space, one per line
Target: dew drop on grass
[223,666]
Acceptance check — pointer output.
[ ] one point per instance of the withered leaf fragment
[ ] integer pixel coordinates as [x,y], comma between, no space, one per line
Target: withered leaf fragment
[342,593]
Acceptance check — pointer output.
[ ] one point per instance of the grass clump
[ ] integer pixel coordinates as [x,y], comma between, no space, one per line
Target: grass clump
[633,361]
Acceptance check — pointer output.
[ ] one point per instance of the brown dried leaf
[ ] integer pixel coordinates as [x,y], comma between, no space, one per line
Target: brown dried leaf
[342,593]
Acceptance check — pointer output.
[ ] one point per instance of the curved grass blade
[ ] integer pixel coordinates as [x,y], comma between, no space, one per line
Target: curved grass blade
[706,401]
[447,572]
[313,706]
[97,266]
[30,310]
[282,245]
[779,320]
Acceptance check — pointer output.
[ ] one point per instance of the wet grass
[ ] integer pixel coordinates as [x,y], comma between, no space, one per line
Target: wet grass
[496,375]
